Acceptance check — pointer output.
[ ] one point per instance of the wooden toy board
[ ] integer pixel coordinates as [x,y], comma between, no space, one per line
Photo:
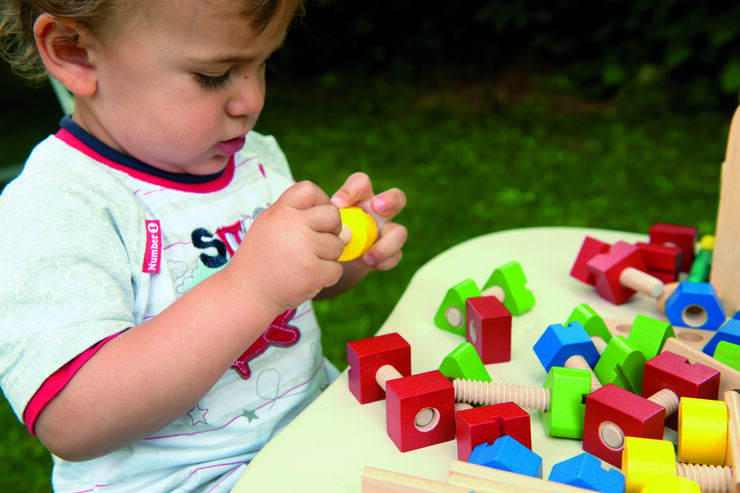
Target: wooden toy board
[327,446]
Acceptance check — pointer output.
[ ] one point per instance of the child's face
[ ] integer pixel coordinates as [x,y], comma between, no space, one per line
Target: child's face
[181,85]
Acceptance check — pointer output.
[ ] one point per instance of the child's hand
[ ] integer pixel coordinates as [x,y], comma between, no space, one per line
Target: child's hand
[289,253]
[358,191]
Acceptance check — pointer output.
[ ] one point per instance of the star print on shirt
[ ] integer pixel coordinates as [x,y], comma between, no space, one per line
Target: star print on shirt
[278,334]
[197,415]
[250,415]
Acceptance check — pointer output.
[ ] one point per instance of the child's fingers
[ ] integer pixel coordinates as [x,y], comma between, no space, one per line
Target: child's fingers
[304,195]
[386,252]
[357,188]
[388,203]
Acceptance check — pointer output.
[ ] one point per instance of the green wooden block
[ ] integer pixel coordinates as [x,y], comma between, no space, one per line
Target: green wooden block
[622,364]
[464,362]
[511,280]
[568,389]
[591,321]
[649,334]
[450,315]
[728,353]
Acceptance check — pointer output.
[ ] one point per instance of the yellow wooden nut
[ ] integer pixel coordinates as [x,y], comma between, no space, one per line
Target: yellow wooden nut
[360,230]
[702,431]
[646,459]
[674,484]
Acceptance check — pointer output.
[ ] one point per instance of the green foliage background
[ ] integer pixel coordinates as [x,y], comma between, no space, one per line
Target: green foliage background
[490,115]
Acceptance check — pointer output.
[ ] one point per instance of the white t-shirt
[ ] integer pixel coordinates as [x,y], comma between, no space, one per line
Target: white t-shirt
[95,242]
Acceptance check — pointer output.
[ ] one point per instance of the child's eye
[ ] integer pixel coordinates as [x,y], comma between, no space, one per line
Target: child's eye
[213,82]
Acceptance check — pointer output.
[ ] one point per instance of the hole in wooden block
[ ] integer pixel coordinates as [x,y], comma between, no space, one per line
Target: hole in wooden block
[473,332]
[689,336]
[426,419]
[624,327]
[611,435]
[454,317]
[694,316]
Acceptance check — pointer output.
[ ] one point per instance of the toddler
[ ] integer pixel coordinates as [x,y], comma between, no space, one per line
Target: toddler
[158,260]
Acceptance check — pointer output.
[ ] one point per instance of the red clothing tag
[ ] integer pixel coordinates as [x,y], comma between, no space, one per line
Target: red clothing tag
[153,250]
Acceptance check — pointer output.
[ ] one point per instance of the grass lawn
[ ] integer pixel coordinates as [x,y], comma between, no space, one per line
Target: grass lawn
[473,157]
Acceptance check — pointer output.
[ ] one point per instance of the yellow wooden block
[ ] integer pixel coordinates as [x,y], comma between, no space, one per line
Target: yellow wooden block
[702,431]
[646,459]
[671,485]
[362,232]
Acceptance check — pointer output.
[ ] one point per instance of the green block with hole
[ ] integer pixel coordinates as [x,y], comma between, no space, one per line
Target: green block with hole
[591,321]
[450,315]
[512,281]
[649,334]
[566,413]
[728,353]
[622,364]
[464,362]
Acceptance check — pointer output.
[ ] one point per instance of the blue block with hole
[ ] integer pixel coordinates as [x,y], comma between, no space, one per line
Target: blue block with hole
[587,471]
[729,332]
[559,342]
[507,454]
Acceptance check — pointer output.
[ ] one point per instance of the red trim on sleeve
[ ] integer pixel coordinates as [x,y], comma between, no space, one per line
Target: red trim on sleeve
[55,383]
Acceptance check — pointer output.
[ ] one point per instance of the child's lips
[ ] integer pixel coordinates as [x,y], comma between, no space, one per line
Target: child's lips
[231,146]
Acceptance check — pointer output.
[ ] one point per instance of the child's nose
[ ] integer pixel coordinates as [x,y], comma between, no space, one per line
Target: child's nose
[248,98]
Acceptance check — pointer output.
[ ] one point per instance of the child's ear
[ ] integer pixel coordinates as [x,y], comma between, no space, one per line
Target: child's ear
[64,47]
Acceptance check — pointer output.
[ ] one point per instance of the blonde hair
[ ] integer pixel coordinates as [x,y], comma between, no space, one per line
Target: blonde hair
[17,17]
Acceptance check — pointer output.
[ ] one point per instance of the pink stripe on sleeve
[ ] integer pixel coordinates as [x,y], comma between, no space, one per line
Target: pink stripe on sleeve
[56,382]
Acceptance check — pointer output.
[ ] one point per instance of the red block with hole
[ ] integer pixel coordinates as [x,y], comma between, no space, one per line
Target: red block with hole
[606,269]
[487,423]
[661,261]
[366,356]
[488,328]
[633,416]
[420,410]
[684,237]
[590,248]
[668,370]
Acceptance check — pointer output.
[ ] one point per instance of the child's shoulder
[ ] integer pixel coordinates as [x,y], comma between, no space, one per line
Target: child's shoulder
[269,152]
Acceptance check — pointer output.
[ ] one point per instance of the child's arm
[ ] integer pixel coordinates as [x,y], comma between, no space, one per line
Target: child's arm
[386,252]
[151,374]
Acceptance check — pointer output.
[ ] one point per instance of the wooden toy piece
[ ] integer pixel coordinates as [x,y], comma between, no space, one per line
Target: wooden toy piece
[684,237]
[464,477]
[645,460]
[728,353]
[420,410]
[464,362]
[669,376]
[672,484]
[359,232]
[570,347]
[592,323]
[729,377]
[507,454]
[648,335]
[611,413]
[374,360]
[488,328]
[729,332]
[560,400]
[585,470]
[661,261]
[702,265]
[621,364]
[695,305]
[450,315]
[732,459]
[509,284]
[589,249]
[621,272]
[702,431]
[726,256]
[487,423]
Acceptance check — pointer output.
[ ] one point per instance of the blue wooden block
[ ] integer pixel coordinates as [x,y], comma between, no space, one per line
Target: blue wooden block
[729,332]
[507,454]
[559,342]
[680,306]
[586,471]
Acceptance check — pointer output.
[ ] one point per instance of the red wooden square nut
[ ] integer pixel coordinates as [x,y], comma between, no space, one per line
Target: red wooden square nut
[670,371]
[684,237]
[366,356]
[661,261]
[420,410]
[489,328]
[487,423]
[589,248]
[609,271]
[613,413]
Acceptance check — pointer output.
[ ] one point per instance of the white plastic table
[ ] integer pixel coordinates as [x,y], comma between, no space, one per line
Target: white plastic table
[325,448]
